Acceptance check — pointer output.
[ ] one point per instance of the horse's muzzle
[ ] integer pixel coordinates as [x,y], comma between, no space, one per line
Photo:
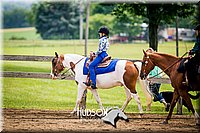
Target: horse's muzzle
[53,76]
[143,76]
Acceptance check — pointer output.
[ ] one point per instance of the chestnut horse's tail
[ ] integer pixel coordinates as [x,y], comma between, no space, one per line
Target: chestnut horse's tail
[194,96]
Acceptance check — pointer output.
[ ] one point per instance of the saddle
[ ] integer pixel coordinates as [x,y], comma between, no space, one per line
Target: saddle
[192,65]
[105,62]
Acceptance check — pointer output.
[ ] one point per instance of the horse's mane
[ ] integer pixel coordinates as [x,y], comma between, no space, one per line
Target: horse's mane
[169,56]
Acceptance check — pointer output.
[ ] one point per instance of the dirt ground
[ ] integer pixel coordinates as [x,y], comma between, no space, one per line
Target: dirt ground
[16,120]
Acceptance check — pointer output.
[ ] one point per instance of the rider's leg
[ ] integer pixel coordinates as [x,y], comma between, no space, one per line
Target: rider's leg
[92,66]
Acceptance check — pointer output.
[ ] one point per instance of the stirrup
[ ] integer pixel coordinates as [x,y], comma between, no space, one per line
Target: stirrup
[87,83]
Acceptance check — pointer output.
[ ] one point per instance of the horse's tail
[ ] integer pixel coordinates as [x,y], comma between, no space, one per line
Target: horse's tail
[194,96]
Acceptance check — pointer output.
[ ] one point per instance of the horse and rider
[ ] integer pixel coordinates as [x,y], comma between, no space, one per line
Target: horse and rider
[99,56]
[171,66]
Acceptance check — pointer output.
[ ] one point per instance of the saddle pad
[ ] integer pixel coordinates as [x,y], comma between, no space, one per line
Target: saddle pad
[101,70]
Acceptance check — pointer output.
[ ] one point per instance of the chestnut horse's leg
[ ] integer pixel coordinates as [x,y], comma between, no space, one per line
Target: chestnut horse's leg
[173,103]
[188,101]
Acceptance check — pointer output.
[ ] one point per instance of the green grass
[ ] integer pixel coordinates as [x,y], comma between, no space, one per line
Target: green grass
[61,95]
[29,34]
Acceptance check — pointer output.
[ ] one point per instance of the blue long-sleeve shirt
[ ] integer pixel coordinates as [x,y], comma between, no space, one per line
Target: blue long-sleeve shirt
[103,45]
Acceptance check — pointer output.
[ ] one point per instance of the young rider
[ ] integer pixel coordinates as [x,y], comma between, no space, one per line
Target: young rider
[100,55]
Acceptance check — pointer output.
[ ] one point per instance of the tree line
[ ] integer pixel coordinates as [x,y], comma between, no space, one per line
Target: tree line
[60,20]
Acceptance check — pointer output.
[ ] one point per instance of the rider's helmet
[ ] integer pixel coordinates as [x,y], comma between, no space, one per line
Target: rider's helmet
[104,30]
[197,27]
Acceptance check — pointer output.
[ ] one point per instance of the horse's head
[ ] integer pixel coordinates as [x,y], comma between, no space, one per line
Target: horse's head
[147,65]
[57,65]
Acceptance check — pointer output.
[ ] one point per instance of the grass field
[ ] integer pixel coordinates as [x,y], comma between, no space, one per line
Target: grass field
[61,95]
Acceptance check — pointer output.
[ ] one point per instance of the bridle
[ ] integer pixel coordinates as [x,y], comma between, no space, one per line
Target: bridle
[71,68]
[146,63]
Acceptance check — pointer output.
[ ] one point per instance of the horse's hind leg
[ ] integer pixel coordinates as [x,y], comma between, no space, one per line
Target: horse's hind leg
[173,103]
[145,88]
[128,98]
[137,99]
[187,99]
[130,78]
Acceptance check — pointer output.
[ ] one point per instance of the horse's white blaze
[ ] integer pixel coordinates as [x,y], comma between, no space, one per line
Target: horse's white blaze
[104,81]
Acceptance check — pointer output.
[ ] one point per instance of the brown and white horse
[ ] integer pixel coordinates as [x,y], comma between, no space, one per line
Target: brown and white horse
[169,64]
[125,74]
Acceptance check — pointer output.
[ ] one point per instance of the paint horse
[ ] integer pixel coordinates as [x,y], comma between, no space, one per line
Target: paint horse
[125,74]
[169,64]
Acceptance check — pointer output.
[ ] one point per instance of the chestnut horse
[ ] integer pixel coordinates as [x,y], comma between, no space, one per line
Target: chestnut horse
[169,64]
[125,74]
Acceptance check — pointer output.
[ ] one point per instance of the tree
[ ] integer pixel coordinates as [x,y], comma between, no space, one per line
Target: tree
[14,14]
[197,16]
[101,14]
[57,20]
[154,14]
[15,18]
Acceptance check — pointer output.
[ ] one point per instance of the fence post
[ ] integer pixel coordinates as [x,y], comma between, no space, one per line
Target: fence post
[179,106]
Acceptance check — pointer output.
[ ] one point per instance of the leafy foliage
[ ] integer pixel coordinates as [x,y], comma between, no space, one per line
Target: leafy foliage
[197,16]
[154,14]
[15,18]
[56,20]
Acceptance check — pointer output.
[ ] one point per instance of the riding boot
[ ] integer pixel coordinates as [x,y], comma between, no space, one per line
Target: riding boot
[93,86]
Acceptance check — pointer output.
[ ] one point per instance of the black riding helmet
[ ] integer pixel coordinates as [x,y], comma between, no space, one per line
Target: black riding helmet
[104,30]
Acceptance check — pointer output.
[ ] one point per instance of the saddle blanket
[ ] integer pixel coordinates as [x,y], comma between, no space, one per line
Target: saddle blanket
[101,70]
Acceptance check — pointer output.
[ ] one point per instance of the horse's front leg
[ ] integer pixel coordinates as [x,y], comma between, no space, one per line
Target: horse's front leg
[145,88]
[81,90]
[137,99]
[172,105]
[96,95]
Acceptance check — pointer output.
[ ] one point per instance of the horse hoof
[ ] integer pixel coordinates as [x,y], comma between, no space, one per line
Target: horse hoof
[73,113]
[165,122]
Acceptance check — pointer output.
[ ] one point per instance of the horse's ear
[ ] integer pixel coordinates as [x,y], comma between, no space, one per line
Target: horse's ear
[56,54]
[145,53]
[61,57]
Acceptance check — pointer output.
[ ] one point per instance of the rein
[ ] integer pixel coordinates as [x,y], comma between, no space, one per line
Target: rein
[72,66]
[169,66]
